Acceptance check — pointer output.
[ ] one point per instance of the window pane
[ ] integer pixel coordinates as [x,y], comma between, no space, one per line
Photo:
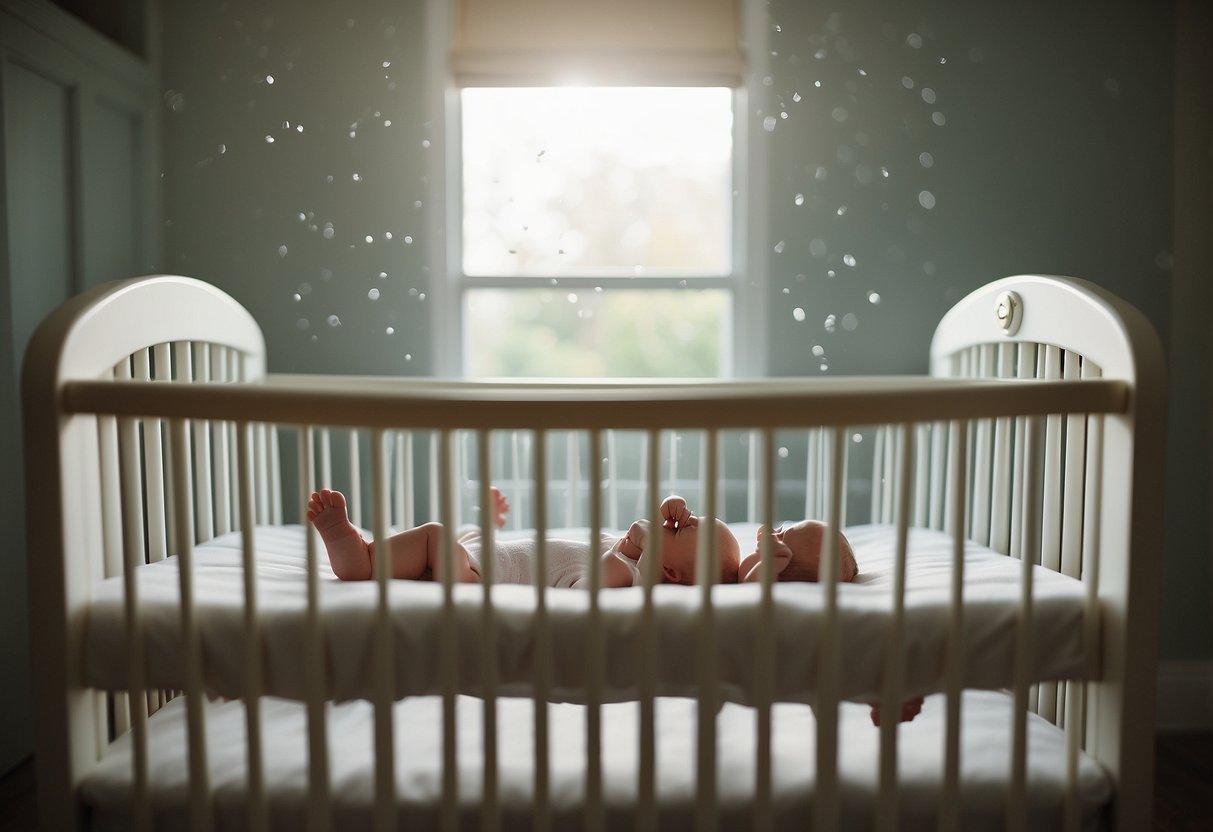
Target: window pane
[597,181]
[562,333]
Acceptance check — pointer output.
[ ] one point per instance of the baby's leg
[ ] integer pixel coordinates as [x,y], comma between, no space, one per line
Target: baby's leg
[417,555]
[348,553]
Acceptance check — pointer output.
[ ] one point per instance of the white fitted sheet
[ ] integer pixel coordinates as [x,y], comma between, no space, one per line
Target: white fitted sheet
[984,743]
[348,610]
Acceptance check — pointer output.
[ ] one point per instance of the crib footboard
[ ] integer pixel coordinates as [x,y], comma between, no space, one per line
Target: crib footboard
[1003,513]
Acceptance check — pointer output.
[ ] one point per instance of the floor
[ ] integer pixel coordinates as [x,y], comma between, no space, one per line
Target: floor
[1183,797]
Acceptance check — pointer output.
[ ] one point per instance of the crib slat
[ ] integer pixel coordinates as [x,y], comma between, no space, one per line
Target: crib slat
[541,813]
[490,816]
[751,474]
[516,493]
[825,798]
[922,468]
[889,483]
[939,445]
[891,694]
[594,656]
[1074,703]
[223,473]
[132,544]
[261,472]
[949,804]
[319,801]
[203,505]
[112,527]
[326,458]
[155,484]
[398,480]
[170,503]
[1051,516]
[410,481]
[385,763]
[573,478]
[195,701]
[275,477]
[764,660]
[1017,795]
[355,463]
[1025,369]
[647,768]
[154,460]
[1075,471]
[813,479]
[111,510]
[258,806]
[443,492]
[1000,525]
[612,453]
[878,453]
[708,571]
[1050,554]
[1093,499]
[183,360]
[979,510]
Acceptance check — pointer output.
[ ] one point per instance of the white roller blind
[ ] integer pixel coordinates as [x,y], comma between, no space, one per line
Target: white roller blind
[600,42]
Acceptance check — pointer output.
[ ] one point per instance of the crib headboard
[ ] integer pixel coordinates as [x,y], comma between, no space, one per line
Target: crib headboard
[172,327]
[1099,478]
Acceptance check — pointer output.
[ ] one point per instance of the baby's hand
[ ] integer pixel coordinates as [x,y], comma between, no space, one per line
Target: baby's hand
[781,556]
[501,506]
[675,514]
[631,545]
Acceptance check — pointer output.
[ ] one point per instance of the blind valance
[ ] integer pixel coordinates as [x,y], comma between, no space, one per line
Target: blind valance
[600,42]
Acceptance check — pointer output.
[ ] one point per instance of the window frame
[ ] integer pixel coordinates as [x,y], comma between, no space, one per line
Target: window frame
[744,354]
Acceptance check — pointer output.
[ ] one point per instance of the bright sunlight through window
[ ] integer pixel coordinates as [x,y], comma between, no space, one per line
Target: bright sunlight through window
[632,187]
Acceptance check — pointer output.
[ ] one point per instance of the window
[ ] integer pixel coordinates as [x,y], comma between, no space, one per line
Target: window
[591,200]
[596,231]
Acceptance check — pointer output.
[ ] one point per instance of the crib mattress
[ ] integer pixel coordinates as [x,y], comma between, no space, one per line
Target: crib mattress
[984,744]
[348,614]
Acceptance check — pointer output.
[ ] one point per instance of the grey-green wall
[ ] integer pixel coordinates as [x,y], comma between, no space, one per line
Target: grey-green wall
[1055,156]
[233,199]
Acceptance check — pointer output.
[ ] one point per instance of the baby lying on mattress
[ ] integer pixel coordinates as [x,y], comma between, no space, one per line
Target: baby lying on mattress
[416,554]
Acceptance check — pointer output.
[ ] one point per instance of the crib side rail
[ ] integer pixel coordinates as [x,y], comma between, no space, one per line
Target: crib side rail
[342,401]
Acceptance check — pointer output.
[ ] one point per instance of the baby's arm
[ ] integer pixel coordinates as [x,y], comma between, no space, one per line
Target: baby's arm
[615,572]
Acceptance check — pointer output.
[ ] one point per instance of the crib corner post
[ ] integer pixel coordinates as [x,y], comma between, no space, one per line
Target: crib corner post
[68,725]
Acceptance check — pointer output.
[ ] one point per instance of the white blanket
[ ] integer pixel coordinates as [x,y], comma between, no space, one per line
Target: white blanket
[984,749]
[348,611]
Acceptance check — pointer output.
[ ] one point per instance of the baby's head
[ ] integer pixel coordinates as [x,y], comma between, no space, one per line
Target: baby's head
[678,552]
[796,553]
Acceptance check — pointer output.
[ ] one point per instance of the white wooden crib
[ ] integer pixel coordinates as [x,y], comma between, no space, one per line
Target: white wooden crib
[1009,572]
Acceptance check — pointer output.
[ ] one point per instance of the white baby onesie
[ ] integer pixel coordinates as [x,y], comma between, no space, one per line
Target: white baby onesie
[568,560]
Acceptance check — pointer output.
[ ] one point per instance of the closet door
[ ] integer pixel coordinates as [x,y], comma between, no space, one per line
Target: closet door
[77,151]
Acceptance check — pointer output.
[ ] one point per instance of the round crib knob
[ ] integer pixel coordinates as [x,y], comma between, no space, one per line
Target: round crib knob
[1009,312]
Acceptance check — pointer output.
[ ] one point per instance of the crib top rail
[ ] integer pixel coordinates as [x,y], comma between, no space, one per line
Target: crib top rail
[776,403]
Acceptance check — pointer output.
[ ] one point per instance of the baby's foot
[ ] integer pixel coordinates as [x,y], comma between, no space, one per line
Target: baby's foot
[909,710]
[501,506]
[347,551]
